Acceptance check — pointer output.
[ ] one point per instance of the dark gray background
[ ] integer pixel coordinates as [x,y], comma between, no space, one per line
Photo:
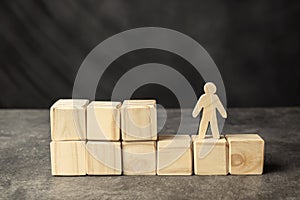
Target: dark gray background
[255,44]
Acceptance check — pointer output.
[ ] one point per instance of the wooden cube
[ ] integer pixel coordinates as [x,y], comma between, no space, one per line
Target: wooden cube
[174,155]
[68,119]
[103,120]
[139,158]
[139,120]
[246,153]
[103,158]
[210,155]
[68,158]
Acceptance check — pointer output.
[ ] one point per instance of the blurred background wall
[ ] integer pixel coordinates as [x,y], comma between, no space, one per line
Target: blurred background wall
[255,45]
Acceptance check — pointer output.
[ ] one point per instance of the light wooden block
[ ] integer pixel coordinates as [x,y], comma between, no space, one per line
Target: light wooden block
[103,158]
[139,158]
[103,120]
[246,154]
[68,158]
[210,155]
[68,119]
[139,120]
[174,155]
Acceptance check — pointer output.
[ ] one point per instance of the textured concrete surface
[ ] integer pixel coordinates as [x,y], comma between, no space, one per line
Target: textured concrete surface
[25,163]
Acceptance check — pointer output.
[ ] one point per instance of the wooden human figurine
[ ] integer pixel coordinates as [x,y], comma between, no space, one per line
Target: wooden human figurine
[210,102]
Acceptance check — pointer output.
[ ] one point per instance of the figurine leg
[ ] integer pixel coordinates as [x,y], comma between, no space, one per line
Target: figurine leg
[203,128]
[214,128]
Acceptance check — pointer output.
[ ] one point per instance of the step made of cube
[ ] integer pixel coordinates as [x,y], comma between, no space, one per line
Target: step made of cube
[68,120]
[139,157]
[103,120]
[246,154]
[210,155]
[174,155]
[103,158]
[86,139]
[139,120]
[68,158]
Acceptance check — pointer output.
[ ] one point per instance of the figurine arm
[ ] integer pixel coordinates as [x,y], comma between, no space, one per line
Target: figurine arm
[198,107]
[220,107]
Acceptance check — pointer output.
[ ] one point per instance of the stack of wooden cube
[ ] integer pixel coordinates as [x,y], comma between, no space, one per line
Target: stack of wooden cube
[139,135]
[110,138]
[103,148]
[86,138]
[68,134]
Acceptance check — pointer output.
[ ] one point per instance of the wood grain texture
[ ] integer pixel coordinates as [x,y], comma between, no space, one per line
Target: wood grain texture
[68,119]
[68,158]
[139,158]
[246,154]
[103,120]
[174,155]
[139,120]
[210,155]
[103,158]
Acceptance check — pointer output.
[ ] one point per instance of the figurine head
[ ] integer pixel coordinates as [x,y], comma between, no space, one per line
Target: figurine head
[210,88]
